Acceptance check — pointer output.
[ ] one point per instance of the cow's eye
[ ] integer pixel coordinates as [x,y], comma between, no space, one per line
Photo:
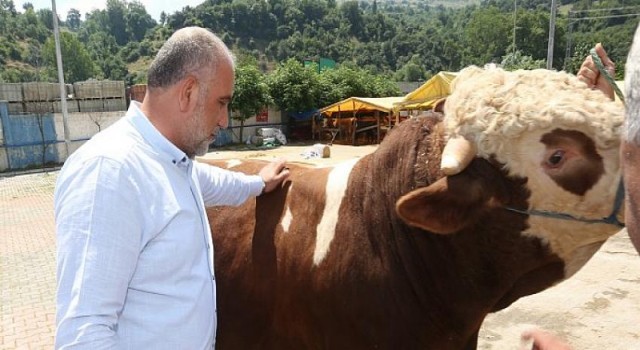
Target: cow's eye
[556,159]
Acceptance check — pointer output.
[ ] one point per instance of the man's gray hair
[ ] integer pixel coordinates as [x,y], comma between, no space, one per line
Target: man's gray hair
[189,51]
[632,92]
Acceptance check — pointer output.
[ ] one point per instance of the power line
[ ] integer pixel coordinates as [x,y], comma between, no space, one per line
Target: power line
[605,9]
[515,16]
[603,17]
[571,21]
[552,31]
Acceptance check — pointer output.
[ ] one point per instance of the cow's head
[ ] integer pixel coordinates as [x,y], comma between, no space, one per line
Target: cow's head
[545,128]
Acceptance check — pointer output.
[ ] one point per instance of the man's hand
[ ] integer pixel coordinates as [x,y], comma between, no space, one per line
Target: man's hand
[273,174]
[544,341]
[590,74]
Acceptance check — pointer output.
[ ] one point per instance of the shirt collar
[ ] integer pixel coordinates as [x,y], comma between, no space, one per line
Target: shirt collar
[154,137]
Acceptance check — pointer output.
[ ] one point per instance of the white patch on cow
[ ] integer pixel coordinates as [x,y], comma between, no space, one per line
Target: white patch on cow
[572,241]
[288,217]
[335,190]
[580,257]
[232,163]
[286,220]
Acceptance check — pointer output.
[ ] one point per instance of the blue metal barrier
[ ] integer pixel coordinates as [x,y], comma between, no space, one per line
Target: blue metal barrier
[29,139]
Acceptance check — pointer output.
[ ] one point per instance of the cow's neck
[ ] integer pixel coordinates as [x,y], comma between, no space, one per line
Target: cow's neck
[412,161]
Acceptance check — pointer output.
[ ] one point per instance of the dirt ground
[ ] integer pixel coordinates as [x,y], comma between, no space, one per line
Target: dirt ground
[293,153]
[598,308]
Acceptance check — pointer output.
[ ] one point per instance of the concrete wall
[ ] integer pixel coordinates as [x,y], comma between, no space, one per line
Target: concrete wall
[82,126]
[21,140]
[251,125]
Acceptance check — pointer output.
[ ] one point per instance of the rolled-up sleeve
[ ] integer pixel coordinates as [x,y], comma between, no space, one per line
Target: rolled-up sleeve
[225,187]
[99,232]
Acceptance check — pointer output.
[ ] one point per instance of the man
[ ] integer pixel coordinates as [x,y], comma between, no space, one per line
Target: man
[630,155]
[135,257]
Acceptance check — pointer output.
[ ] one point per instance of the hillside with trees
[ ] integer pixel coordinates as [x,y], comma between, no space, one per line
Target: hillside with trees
[383,41]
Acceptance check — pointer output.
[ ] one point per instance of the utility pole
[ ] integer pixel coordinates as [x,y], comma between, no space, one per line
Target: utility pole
[515,16]
[552,32]
[63,90]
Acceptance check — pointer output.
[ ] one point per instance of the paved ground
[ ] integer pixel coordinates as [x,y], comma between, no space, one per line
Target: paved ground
[27,262]
[598,308]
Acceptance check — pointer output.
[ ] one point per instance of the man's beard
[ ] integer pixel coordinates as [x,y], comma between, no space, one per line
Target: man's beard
[199,138]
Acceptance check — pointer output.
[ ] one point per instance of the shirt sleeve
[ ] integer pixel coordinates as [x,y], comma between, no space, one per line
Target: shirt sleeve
[224,187]
[99,232]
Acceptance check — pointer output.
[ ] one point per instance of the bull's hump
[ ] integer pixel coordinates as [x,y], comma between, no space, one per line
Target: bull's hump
[335,191]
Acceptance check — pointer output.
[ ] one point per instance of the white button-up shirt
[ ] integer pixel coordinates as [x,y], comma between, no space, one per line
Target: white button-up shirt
[135,257]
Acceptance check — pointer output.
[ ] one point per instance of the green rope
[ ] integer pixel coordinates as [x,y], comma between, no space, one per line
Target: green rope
[607,76]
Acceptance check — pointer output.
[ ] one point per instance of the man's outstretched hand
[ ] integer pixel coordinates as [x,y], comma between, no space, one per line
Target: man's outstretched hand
[273,174]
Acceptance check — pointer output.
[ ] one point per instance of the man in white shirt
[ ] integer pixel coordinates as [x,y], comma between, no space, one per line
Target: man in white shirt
[135,257]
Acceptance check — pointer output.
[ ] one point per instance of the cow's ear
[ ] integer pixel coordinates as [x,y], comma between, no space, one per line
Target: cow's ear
[448,205]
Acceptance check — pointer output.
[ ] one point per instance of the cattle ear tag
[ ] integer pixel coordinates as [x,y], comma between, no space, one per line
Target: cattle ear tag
[444,207]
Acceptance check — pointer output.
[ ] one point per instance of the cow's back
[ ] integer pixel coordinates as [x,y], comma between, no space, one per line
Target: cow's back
[263,255]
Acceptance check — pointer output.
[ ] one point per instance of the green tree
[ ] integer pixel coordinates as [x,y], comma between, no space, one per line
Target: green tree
[116,10]
[487,36]
[412,70]
[7,16]
[383,86]
[104,52]
[74,19]
[77,62]
[45,17]
[163,18]
[293,87]
[379,37]
[532,33]
[349,81]
[251,93]
[96,21]
[30,25]
[138,21]
[353,15]
[330,90]
[516,60]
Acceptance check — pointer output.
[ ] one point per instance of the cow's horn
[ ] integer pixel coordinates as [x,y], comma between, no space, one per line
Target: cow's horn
[456,155]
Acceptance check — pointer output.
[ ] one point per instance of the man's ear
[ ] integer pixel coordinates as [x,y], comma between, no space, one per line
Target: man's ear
[188,93]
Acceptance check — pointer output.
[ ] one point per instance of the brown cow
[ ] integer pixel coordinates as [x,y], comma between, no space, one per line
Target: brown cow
[387,253]
[346,127]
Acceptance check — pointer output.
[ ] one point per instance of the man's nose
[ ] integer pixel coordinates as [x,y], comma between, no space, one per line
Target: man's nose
[224,120]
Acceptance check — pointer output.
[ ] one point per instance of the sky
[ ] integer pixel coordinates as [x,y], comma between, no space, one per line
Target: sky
[154,7]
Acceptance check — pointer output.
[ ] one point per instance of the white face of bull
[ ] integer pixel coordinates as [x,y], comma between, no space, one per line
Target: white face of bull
[547,128]
[567,173]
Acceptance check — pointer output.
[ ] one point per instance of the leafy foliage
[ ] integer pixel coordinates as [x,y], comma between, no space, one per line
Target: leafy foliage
[515,60]
[293,87]
[251,92]
[374,42]
[77,62]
